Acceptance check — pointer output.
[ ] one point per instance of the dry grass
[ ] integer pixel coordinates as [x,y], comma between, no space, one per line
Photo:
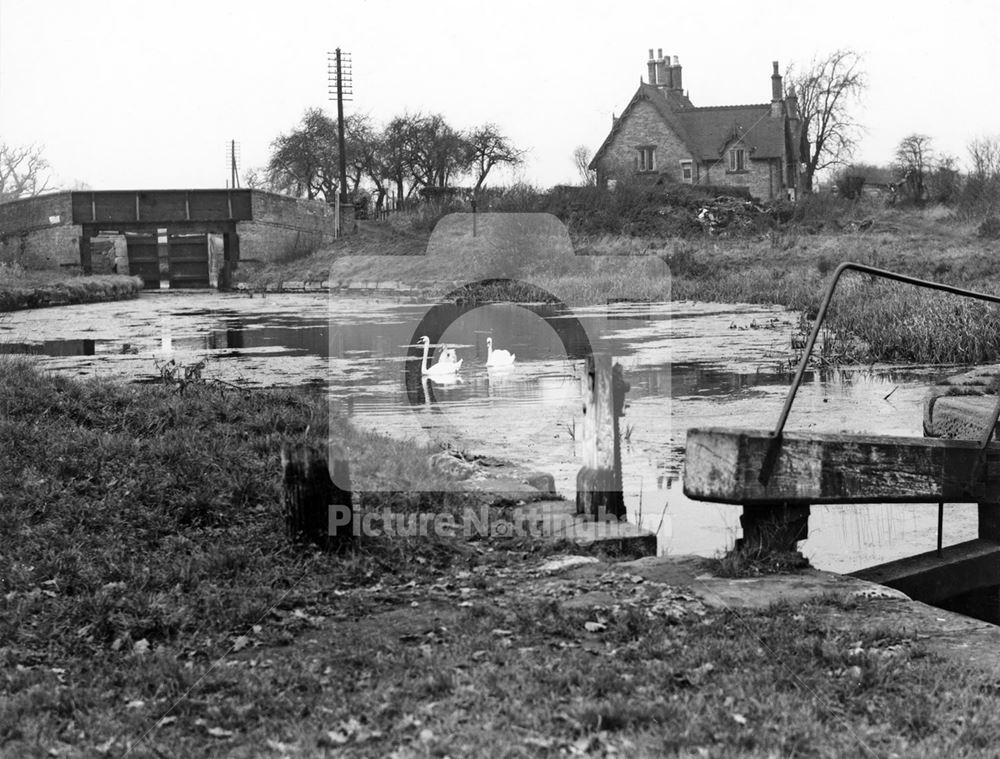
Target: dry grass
[30,288]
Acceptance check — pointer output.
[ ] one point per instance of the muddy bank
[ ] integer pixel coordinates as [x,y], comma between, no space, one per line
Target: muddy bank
[15,296]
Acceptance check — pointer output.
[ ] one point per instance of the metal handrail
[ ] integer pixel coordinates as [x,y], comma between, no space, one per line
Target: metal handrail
[771,456]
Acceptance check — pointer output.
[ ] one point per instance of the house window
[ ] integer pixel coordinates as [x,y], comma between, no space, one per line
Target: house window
[737,159]
[687,171]
[646,160]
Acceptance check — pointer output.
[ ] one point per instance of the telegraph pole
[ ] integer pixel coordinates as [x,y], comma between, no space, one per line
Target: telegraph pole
[342,76]
[235,176]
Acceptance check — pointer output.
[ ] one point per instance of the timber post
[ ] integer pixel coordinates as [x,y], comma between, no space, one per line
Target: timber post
[776,527]
[317,509]
[599,482]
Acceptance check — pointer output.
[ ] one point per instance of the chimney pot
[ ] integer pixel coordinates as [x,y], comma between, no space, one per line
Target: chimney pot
[659,52]
[650,53]
[677,61]
[775,64]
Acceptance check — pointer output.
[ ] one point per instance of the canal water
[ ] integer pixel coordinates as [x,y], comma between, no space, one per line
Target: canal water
[688,365]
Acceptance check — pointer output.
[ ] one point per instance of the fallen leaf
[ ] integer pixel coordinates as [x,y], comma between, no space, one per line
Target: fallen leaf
[141,646]
[136,704]
[240,643]
[595,626]
[739,718]
[218,732]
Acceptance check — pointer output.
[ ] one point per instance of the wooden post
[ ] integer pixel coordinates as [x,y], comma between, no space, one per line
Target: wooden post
[317,509]
[769,528]
[985,604]
[86,256]
[599,481]
[989,521]
[230,255]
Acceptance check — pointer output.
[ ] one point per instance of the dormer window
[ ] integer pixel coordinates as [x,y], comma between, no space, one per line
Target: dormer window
[646,158]
[737,160]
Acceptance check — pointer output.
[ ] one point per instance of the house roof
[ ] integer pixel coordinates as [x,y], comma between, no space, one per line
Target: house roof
[706,132]
[714,128]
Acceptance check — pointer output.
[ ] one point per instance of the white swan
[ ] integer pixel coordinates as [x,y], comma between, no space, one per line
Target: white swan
[441,368]
[499,357]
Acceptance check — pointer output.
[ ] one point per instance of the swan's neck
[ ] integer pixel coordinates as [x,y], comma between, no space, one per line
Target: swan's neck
[423,364]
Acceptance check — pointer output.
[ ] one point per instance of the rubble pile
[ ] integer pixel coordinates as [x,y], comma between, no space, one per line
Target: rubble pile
[728,214]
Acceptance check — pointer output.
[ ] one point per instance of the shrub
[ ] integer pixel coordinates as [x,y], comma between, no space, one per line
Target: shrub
[990,228]
[821,209]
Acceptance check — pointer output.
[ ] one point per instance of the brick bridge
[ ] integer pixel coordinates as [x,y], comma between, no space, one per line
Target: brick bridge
[170,238]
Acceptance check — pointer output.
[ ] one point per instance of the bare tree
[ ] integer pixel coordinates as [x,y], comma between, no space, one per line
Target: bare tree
[488,147]
[359,139]
[23,171]
[984,153]
[396,152]
[915,158]
[826,92]
[981,193]
[581,159]
[437,150]
[304,162]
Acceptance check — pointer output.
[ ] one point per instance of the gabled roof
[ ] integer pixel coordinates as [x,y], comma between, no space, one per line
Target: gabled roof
[706,132]
[667,104]
[713,129]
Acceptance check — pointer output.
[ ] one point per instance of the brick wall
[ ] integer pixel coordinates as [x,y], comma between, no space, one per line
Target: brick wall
[38,232]
[643,126]
[284,227]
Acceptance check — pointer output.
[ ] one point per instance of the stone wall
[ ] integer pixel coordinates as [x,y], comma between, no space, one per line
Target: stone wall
[763,178]
[643,126]
[38,232]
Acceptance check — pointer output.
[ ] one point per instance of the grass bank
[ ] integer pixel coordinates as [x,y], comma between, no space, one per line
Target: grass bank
[790,265]
[21,288]
[150,605]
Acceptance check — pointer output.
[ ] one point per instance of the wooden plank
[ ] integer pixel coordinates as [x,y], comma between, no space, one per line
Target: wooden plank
[930,578]
[723,465]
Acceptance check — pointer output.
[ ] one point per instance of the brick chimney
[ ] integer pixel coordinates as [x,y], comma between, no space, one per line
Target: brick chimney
[651,67]
[793,103]
[675,77]
[662,69]
[776,104]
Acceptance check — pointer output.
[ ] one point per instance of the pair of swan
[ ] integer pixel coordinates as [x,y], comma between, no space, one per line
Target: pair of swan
[449,364]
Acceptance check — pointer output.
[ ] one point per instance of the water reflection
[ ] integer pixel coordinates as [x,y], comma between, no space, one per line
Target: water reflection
[686,368]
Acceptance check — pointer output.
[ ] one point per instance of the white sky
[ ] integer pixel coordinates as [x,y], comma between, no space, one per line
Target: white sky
[140,94]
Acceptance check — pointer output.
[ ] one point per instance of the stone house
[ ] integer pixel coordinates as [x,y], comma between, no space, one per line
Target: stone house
[662,137]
